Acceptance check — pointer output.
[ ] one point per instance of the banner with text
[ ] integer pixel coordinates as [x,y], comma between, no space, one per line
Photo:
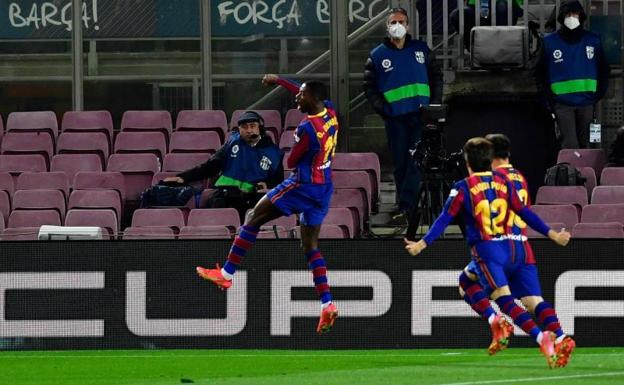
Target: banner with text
[40,19]
[145,294]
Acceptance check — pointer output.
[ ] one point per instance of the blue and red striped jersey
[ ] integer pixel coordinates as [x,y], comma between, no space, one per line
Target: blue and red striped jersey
[516,227]
[486,199]
[316,137]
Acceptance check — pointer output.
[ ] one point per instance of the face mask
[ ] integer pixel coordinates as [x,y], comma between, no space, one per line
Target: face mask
[397,31]
[571,22]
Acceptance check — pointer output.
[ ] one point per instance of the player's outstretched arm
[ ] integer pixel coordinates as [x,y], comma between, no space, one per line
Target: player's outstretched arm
[290,85]
[414,248]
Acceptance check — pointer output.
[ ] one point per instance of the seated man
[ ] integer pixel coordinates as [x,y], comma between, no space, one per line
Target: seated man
[247,162]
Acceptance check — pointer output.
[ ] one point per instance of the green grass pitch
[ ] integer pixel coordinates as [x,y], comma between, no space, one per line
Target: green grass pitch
[603,366]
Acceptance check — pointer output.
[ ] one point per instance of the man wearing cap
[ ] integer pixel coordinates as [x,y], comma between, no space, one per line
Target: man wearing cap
[247,162]
[572,75]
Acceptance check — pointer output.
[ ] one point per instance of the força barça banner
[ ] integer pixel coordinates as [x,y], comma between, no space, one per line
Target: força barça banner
[51,19]
[145,294]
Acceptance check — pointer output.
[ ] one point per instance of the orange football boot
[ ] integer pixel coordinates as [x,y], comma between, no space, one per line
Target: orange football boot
[501,331]
[547,347]
[214,276]
[328,316]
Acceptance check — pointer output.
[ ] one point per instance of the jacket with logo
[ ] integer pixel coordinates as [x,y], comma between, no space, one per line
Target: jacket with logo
[397,81]
[241,165]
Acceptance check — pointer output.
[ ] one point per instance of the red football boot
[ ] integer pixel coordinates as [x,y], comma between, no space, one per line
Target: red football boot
[328,316]
[501,331]
[564,350]
[214,276]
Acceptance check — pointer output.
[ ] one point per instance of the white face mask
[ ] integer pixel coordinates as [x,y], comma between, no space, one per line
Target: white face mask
[571,22]
[397,31]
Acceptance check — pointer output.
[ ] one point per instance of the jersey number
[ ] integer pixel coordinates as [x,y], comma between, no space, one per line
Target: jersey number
[485,209]
[515,219]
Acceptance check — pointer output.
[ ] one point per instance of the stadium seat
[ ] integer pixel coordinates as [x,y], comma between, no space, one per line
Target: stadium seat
[71,164]
[43,180]
[17,164]
[104,180]
[606,230]
[203,120]
[273,232]
[566,214]
[183,162]
[366,161]
[215,217]
[590,179]
[158,121]
[141,143]
[33,121]
[1,129]
[89,121]
[327,232]
[287,141]
[205,232]
[149,232]
[559,195]
[41,199]
[354,179]
[584,157]
[288,222]
[28,143]
[355,202]
[600,213]
[195,142]
[272,120]
[34,218]
[170,217]
[612,176]
[556,226]
[137,169]
[106,219]
[342,217]
[84,143]
[20,234]
[96,199]
[7,183]
[5,207]
[608,194]
[293,118]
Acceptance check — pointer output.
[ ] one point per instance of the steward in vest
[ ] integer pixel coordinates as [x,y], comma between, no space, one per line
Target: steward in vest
[572,75]
[247,162]
[400,75]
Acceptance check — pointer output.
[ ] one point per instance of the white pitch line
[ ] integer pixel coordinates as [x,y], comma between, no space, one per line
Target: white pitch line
[278,355]
[529,379]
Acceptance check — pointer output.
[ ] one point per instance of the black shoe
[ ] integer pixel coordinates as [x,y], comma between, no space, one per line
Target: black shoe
[398,220]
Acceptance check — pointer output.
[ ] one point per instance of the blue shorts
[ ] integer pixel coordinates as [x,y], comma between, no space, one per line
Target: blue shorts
[309,200]
[521,278]
[491,262]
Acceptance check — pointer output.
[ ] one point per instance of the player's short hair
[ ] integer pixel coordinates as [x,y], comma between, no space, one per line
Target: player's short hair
[478,153]
[317,89]
[502,145]
[400,10]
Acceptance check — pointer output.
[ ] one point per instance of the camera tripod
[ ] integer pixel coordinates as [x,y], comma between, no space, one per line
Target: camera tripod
[433,188]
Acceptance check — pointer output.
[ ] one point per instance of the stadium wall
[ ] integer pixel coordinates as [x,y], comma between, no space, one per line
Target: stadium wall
[145,294]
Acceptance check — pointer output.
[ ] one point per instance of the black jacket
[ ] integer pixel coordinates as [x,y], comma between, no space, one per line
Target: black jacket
[213,166]
[376,98]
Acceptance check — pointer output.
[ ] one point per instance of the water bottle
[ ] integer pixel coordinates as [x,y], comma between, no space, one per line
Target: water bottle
[485,8]
[595,131]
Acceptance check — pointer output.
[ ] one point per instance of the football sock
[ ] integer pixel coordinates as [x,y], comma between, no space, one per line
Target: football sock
[316,263]
[547,316]
[476,297]
[242,243]
[520,316]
